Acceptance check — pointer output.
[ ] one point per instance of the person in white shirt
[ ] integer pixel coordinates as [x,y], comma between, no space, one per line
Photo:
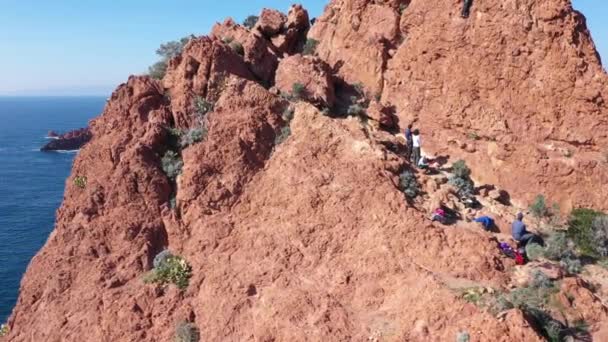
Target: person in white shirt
[416,143]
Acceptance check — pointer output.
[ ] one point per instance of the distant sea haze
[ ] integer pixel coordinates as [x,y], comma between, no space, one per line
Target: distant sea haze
[32,182]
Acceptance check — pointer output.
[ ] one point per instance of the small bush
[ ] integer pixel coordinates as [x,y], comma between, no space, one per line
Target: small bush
[202,107]
[288,114]
[402,8]
[80,181]
[460,169]
[465,186]
[581,231]
[238,48]
[298,90]
[556,246]
[552,329]
[409,184]
[161,258]
[250,21]
[356,110]
[158,70]
[171,269]
[463,336]
[4,330]
[172,164]
[539,208]
[227,40]
[187,332]
[192,136]
[285,133]
[310,47]
[571,265]
[473,136]
[534,251]
[360,89]
[600,235]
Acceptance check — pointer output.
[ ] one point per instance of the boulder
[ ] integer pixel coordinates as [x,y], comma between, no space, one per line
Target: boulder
[310,72]
[271,22]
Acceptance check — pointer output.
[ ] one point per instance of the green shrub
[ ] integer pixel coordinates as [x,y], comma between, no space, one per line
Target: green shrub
[167,51]
[227,40]
[172,164]
[402,8]
[473,136]
[80,181]
[461,170]
[238,48]
[409,184]
[192,136]
[534,251]
[285,133]
[556,246]
[202,106]
[464,186]
[171,269]
[298,90]
[463,336]
[4,330]
[552,329]
[158,70]
[571,265]
[539,208]
[356,110]
[310,47]
[600,234]
[360,89]
[250,21]
[581,231]
[187,332]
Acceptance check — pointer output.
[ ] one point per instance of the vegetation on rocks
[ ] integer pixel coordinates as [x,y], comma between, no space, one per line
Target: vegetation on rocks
[298,90]
[461,179]
[409,184]
[172,164]
[589,231]
[170,269]
[80,181]
[167,51]
[187,332]
[310,47]
[250,21]
[539,208]
[238,48]
[4,330]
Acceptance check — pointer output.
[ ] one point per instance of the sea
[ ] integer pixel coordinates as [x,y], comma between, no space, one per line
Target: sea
[32,182]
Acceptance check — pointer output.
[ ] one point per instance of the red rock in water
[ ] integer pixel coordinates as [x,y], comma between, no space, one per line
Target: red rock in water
[72,140]
[312,73]
[295,226]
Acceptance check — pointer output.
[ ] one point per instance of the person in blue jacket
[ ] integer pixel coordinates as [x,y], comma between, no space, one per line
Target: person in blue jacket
[521,234]
[486,221]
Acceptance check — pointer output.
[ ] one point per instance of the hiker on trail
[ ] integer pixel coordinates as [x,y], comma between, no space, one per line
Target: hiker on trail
[466,8]
[521,234]
[408,140]
[486,221]
[416,146]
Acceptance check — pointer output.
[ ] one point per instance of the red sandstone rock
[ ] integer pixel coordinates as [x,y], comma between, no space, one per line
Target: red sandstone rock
[312,239]
[312,73]
[454,76]
[258,52]
[271,22]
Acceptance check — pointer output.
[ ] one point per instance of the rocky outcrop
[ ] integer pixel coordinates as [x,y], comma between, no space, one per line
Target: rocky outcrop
[311,74]
[531,95]
[293,222]
[72,140]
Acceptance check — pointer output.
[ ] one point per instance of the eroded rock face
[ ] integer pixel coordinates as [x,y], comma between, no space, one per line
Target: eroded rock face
[311,238]
[532,93]
[310,72]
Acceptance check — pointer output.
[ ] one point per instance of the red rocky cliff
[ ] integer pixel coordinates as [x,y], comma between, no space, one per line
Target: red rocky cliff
[303,234]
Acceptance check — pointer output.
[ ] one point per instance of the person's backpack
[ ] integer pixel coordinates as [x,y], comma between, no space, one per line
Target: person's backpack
[519,258]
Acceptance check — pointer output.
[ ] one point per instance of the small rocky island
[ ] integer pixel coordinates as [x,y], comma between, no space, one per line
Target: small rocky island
[72,140]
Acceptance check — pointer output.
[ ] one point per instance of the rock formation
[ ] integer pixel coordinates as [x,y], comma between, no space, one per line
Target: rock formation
[72,140]
[292,218]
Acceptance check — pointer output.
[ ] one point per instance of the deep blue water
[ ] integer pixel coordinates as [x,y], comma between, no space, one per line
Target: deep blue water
[32,182]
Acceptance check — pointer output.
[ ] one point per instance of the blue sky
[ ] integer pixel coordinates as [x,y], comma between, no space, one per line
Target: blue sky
[75,47]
